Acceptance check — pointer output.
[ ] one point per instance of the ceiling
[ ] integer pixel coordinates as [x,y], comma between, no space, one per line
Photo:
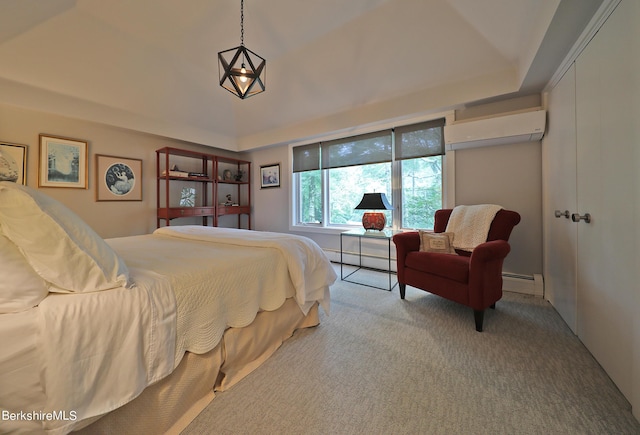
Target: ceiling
[151,65]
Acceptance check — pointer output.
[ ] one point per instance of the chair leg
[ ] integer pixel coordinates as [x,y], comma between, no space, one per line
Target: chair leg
[479,318]
[402,288]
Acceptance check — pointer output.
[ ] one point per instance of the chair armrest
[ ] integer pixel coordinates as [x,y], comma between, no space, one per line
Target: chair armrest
[485,273]
[406,242]
[489,251]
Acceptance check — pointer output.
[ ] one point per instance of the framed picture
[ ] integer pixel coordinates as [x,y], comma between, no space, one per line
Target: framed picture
[118,179]
[188,197]
[270,176]
[63,162]
[13,162]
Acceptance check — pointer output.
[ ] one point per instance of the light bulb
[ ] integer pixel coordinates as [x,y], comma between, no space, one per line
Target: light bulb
[243,71]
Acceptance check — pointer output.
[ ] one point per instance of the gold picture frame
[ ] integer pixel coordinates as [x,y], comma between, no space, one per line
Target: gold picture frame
[118,178]
[63,162]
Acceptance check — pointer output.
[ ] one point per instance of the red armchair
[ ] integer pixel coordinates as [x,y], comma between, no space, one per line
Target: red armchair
[472,278]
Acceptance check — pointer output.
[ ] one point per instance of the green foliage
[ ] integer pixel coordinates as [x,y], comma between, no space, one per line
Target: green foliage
[421,192]
[310,197]
[347,185]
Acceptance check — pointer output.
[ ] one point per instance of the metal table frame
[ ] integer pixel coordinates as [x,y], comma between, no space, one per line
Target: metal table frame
[377,235]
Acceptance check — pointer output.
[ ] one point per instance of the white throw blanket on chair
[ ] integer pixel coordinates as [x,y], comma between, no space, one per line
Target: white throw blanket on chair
[470,224]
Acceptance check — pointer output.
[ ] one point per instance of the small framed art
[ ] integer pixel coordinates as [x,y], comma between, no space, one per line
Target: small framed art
[63,162]
[118,178]
[13,162]
[188,197]
[270,175]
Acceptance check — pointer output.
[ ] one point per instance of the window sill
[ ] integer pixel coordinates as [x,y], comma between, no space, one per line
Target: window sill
[331,230]
[320,230]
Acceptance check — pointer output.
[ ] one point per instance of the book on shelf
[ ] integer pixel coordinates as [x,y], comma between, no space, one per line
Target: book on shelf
[198,175]
[172,173]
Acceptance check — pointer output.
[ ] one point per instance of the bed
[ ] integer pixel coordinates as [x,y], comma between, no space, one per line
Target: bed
[137,334]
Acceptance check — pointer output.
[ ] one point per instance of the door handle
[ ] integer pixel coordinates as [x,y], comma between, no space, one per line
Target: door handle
[577,218]
[559,213]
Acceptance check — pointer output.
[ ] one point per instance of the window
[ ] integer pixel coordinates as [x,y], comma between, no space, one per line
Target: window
[405,164]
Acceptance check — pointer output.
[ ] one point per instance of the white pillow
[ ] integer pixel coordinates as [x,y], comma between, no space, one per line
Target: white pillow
[20,287]
[59,245]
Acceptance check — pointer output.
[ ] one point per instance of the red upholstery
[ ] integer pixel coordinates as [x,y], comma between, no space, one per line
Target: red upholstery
[472,279]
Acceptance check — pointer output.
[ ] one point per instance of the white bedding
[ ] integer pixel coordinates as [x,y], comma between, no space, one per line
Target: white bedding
[20,369]
[186,293]
[309,268]
[102,349]
[221,285]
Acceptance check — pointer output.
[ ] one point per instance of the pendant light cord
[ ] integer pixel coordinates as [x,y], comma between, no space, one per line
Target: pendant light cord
[242,22]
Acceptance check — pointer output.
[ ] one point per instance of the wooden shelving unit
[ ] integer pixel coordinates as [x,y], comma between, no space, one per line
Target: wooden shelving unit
[210,178]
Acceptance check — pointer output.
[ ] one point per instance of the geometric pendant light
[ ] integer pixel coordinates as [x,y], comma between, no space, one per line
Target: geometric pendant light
[242,72]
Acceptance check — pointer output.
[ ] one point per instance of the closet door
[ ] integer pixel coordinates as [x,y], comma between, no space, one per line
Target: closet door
[606,257]
[559,148]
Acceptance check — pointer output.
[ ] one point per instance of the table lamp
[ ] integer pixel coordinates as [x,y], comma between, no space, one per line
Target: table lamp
[374,201]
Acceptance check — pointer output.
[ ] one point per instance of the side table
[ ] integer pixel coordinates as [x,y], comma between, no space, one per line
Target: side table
[360,234]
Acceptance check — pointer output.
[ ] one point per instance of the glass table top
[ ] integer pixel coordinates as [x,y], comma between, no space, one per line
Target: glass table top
[361,232]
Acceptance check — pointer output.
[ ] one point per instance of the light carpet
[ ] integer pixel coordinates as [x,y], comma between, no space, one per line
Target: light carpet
[382,365]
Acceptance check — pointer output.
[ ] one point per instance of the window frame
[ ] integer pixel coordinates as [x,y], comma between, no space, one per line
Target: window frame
[448,182]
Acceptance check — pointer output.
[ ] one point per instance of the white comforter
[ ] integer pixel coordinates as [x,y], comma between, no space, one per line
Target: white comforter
[309,269]
[191,284]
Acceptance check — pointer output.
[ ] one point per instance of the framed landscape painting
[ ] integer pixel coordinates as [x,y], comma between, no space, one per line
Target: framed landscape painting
[13,162]
[118,179]
[63,162]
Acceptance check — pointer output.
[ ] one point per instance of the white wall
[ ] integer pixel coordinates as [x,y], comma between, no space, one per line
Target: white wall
[510,176]
[109,219]
[271,205]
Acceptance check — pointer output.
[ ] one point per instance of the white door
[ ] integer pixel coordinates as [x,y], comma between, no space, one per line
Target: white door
[559,148]
[606,256]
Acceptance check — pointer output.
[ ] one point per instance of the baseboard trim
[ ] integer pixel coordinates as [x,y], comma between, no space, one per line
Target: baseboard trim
[525,284]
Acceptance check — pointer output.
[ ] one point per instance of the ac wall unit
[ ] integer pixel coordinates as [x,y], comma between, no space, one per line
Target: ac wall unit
[499,130]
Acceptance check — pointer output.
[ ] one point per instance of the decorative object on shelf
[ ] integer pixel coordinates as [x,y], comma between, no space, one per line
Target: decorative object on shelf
[198,175]
[13,162]
[227,175]
[63,162]
[228,201]
[242,72]
[270,175]
[188,197]
[374,201]
[239,176]
[118,179]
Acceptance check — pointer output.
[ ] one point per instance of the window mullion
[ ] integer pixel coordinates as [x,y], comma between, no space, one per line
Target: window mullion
[325,197]
[396,192]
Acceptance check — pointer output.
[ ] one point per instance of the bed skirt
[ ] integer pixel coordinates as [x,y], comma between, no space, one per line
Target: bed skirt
[171,404]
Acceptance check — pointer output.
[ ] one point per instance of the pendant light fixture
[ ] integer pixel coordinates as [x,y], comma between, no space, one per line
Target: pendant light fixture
[242,72]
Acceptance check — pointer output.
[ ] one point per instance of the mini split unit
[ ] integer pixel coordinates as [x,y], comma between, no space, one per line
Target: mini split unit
[500,130]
